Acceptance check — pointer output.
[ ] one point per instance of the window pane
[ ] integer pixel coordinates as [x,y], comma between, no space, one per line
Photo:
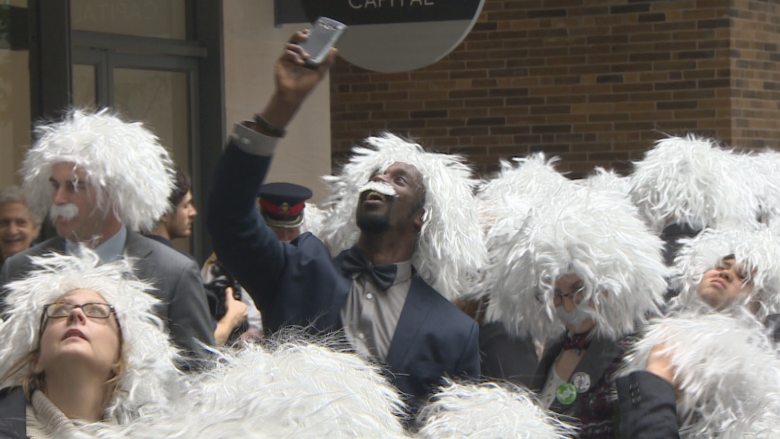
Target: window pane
[160,100]
[143,18]
[14,94]
[84,86]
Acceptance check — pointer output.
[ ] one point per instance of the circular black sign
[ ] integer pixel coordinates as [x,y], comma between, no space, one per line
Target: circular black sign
[397,35]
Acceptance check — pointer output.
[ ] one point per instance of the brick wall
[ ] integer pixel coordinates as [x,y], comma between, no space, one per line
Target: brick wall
[755,73]
[592,81]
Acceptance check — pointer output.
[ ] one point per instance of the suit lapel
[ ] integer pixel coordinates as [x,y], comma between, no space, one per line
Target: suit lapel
[416,308]
[599,356]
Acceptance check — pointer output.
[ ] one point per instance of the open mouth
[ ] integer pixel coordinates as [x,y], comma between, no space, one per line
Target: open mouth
[376,196]
[74,333]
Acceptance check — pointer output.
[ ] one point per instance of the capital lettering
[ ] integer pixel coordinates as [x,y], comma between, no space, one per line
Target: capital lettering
[355,6]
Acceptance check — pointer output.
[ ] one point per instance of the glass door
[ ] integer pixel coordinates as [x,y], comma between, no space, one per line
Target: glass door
[155,90]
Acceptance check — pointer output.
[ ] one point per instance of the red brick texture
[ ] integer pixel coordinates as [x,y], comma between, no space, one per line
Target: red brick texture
[592,81]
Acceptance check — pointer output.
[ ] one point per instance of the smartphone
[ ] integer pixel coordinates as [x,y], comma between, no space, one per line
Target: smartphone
[324,34]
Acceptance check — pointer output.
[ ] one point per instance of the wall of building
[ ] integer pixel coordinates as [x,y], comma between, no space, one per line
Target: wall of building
[755,73]
[594,82]
[252,45]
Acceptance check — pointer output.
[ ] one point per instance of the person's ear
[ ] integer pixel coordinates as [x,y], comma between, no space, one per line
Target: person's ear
[418,220]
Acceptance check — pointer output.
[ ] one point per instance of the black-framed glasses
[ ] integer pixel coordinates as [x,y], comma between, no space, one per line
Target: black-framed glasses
[94,310]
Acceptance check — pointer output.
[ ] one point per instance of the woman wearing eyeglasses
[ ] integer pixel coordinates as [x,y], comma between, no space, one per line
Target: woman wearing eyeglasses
[710,368]
[80,345]
[573,268]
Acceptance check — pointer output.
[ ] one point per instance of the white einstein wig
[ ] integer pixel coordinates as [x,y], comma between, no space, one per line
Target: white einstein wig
[727,373]
[694,182]
[128,170]
[594,234]
[488,411]
[296,388]
[150,356]
[603,179]
[765,184]
[758,250]
[450,249]
[521,182]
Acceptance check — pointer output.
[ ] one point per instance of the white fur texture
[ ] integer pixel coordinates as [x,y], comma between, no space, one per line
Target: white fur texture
[488,411]
[128,170]
[523,181]
[313,218]
[603,179]
[765,183]
[694,182]
[727,373]
[450,250]
[758,250]
[151,358]
[294,389]
[593,233]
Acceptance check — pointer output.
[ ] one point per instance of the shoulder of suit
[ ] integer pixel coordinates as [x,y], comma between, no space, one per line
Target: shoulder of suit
[140,246]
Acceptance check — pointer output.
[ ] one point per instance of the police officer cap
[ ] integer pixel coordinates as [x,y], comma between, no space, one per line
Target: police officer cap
[282,204]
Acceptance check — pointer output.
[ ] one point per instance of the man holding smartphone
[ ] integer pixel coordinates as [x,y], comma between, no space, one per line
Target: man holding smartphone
[373,291]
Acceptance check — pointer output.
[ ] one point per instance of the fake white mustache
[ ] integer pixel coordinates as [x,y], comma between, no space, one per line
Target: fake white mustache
[66,211]
[575,317]
[378,186]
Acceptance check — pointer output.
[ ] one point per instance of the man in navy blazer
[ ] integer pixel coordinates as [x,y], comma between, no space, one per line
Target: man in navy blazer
[299,283]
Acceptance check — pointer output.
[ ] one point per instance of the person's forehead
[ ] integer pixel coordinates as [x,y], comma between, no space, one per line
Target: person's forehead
[14,209]
[68,170]
[82,294]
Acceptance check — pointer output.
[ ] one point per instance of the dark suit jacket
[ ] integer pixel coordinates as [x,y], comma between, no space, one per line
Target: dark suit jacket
[648,409]
[298,283]
[595,409]
[13,415]
[507,358]
[176,279]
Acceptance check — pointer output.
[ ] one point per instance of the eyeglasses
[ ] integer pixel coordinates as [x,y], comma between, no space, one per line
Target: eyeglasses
[574,296]
[94,310]
[59,310]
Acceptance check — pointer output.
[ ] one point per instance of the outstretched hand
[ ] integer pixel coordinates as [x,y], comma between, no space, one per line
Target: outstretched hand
[294,81]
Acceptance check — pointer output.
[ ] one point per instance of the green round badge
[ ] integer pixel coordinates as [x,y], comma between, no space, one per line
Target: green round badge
[566,393]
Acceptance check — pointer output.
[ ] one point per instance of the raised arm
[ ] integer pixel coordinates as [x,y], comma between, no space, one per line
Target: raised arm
[247,247]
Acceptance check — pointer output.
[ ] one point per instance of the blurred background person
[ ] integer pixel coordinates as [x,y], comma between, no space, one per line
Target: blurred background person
[18,227]
[177,221]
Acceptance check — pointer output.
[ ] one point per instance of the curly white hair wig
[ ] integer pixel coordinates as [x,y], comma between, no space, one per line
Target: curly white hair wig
[594,234]
[450,249]
[521,182]
[289,387]
[128,170]
[488,411]
[150,356]
[758,250]
[694,182]
[727,373]
[765,183]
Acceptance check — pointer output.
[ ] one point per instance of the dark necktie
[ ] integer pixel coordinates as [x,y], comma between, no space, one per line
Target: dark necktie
[357,262]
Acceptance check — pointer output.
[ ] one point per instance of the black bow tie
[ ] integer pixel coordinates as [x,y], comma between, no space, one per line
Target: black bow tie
[357,262]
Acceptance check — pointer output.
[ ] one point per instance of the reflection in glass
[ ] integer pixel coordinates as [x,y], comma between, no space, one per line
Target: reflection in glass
[14,90]
[84,87]
[159,99]
[143,18]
